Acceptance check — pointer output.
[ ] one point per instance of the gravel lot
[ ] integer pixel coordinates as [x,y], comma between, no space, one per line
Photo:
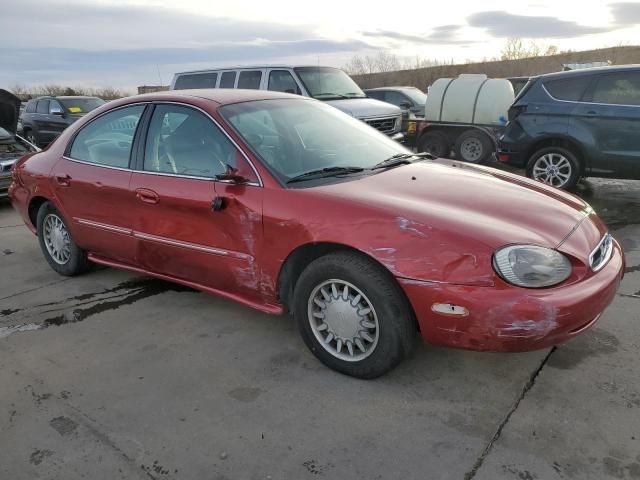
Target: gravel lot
[111,375]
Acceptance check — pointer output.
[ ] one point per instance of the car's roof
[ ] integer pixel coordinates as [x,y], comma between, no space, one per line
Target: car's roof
[63,97]
[590,71]
[250,67]
[222,96]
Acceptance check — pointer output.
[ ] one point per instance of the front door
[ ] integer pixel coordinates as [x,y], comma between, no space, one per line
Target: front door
[181,230]
[92,184]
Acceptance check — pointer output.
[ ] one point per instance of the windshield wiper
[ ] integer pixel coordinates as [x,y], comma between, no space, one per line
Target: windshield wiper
[401,159]
[324,172]
[339,95]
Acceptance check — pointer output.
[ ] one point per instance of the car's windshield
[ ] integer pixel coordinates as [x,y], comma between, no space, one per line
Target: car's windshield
[81,105]
[293,137]
[416,95]
[326,83]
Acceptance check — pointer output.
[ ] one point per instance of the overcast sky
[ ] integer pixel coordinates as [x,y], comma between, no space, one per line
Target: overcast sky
[129,43]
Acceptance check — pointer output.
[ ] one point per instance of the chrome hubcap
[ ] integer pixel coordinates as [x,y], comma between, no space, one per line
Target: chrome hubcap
[343,320]
[471,149]
[56,239]
[553,169]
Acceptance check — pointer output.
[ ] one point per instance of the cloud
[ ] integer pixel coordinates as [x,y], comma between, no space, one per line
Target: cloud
[444,34]
[626,13]
[91,43]
[503,25]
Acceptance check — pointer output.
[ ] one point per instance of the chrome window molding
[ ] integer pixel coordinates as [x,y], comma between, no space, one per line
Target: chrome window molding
[195,177]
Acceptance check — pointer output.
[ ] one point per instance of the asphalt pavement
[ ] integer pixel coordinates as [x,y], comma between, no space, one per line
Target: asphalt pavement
[116,376]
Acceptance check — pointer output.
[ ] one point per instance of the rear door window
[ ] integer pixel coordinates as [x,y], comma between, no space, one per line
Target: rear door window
[228,80]
[618,89]
[568,89]
[196,80]
[43,106]
[250,79]
[107,140]
[282,81]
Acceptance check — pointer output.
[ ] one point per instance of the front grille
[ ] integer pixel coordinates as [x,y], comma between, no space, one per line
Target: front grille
[601,253]
[385,125]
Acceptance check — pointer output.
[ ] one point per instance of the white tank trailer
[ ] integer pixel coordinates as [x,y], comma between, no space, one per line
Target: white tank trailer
[465,114]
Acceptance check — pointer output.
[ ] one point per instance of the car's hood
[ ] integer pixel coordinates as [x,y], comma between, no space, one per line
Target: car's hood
[490,206]
[9,111]
[365,107]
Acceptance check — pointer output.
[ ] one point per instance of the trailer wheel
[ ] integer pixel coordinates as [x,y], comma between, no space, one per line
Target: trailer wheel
[474,146]
[435,143]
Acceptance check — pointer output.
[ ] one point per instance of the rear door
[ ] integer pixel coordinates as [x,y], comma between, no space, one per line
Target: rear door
[612,116]
[181,233]
[92,184]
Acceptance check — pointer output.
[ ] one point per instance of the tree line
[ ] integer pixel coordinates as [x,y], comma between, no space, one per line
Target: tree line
[27,93]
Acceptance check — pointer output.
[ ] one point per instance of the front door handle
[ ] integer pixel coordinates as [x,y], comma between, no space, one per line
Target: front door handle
[63,180]
[147,196]
[591,113]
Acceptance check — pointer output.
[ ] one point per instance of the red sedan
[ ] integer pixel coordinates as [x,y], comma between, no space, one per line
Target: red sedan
[284,203]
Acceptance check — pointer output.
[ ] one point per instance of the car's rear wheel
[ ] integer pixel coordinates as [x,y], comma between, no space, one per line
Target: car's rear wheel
[555,166]
[435,143]
[57,244]
[352,315]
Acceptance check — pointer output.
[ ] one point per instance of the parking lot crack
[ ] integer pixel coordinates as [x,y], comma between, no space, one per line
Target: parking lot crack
[487,449]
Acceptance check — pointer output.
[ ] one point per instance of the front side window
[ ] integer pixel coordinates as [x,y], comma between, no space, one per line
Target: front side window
[396,98]
[55,105]
[228,80]
[43,106]
[184,141]
[568,89]
[31,106]
[620,89]
[326,83]
[293,137]
[250,79]
[196,80]
[282,81]
[377,94]
[107,140]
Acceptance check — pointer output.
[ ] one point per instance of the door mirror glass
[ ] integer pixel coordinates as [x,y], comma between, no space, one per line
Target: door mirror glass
[405,105]
[55,110]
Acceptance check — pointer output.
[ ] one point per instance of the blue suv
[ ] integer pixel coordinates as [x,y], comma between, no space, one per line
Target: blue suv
[583,123]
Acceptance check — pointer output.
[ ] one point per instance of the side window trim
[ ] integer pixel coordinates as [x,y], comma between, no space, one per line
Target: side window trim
[67,151]
[139,163]
[136,160]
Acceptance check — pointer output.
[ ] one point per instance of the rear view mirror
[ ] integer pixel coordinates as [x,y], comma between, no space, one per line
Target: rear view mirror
[231,175]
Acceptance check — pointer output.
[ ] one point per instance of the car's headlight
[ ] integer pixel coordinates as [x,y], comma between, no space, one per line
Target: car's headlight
[531,266]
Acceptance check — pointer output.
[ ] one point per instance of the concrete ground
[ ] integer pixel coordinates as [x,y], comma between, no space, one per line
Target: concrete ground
[110,376]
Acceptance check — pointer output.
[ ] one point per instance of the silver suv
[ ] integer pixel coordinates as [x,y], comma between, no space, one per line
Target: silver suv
[328,84]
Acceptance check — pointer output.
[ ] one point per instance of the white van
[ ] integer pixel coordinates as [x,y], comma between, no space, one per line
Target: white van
[328,84]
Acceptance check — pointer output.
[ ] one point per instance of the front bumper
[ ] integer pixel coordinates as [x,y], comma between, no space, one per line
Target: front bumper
[511,319]
[398,137]
[5,183]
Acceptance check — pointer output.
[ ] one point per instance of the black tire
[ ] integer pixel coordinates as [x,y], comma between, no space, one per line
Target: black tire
[474,146]
[395,333]
[435,143]
[77,262]
[555,154]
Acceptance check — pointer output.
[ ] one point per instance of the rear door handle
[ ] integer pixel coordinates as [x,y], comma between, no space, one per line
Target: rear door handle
[147,196]
[63,180]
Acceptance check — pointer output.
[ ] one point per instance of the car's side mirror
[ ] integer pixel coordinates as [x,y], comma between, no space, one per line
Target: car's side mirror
[231,175]
[405,105]
[56,111]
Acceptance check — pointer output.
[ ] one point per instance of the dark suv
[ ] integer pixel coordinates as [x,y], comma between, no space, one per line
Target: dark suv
[582,123]
[45,118]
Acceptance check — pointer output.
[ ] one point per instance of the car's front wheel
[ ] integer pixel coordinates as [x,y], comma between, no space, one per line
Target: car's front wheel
[555,166]
[57,244]
[352,315]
